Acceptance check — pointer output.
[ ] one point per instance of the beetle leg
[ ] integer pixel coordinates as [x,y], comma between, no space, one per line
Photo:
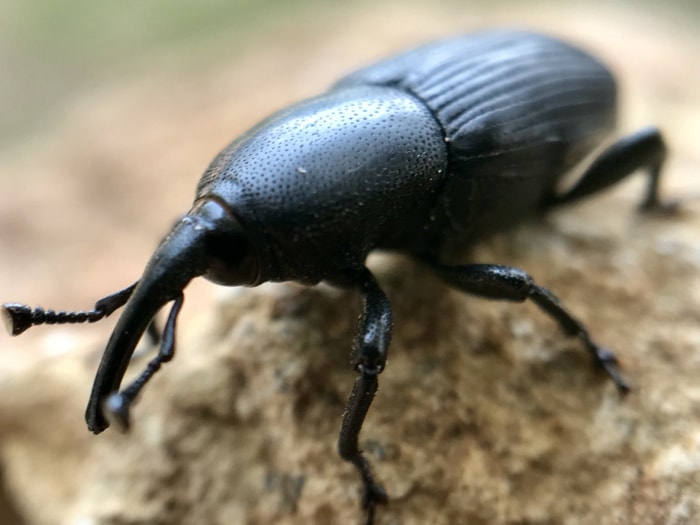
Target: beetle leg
[511,284]
[116,407]
[643,149]
[368,358]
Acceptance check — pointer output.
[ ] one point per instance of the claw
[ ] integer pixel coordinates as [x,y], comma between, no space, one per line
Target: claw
[116,410]
[609,362]
[374,494]
[664,208]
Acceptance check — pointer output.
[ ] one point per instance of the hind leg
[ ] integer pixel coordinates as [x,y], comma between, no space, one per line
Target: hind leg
[510,284]
[644,149]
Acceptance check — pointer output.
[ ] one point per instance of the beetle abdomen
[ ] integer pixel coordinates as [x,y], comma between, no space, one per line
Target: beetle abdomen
[527,85]
[518,110]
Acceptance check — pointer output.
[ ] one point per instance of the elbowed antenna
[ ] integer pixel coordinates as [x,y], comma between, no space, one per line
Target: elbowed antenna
[20,317]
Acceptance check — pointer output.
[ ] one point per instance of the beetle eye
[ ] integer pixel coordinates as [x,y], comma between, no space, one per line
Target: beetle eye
[231,261]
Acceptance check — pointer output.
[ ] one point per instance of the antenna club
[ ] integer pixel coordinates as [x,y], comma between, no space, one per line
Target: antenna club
[17,317]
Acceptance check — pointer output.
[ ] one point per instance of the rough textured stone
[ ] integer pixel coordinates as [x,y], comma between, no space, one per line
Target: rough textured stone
[486,414]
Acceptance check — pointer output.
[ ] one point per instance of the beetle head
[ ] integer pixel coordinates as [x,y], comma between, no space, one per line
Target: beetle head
[208,241]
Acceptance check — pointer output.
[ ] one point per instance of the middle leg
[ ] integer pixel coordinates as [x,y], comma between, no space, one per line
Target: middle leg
[368,359]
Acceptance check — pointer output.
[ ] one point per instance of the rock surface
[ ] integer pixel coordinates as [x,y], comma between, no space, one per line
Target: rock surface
[486,413]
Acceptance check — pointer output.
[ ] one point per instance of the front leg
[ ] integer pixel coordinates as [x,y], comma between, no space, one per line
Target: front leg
[368,359]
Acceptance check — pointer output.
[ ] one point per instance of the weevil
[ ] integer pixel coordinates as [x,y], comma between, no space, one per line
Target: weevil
[422,153]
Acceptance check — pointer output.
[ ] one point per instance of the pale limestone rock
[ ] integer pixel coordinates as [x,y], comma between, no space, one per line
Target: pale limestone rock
[486,413]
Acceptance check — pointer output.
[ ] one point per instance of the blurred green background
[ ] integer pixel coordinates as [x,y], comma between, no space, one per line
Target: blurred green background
[51,50]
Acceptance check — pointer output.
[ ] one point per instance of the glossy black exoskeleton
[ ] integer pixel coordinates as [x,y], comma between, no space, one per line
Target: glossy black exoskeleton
[422,153]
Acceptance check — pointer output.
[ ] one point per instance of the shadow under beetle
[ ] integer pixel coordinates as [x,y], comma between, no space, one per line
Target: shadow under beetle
[421,153]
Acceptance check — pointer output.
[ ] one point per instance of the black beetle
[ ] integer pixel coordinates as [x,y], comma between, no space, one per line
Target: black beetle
[421,153]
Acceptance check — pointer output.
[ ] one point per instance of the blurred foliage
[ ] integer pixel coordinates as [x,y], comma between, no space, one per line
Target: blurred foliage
[85,34]
[50,49]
